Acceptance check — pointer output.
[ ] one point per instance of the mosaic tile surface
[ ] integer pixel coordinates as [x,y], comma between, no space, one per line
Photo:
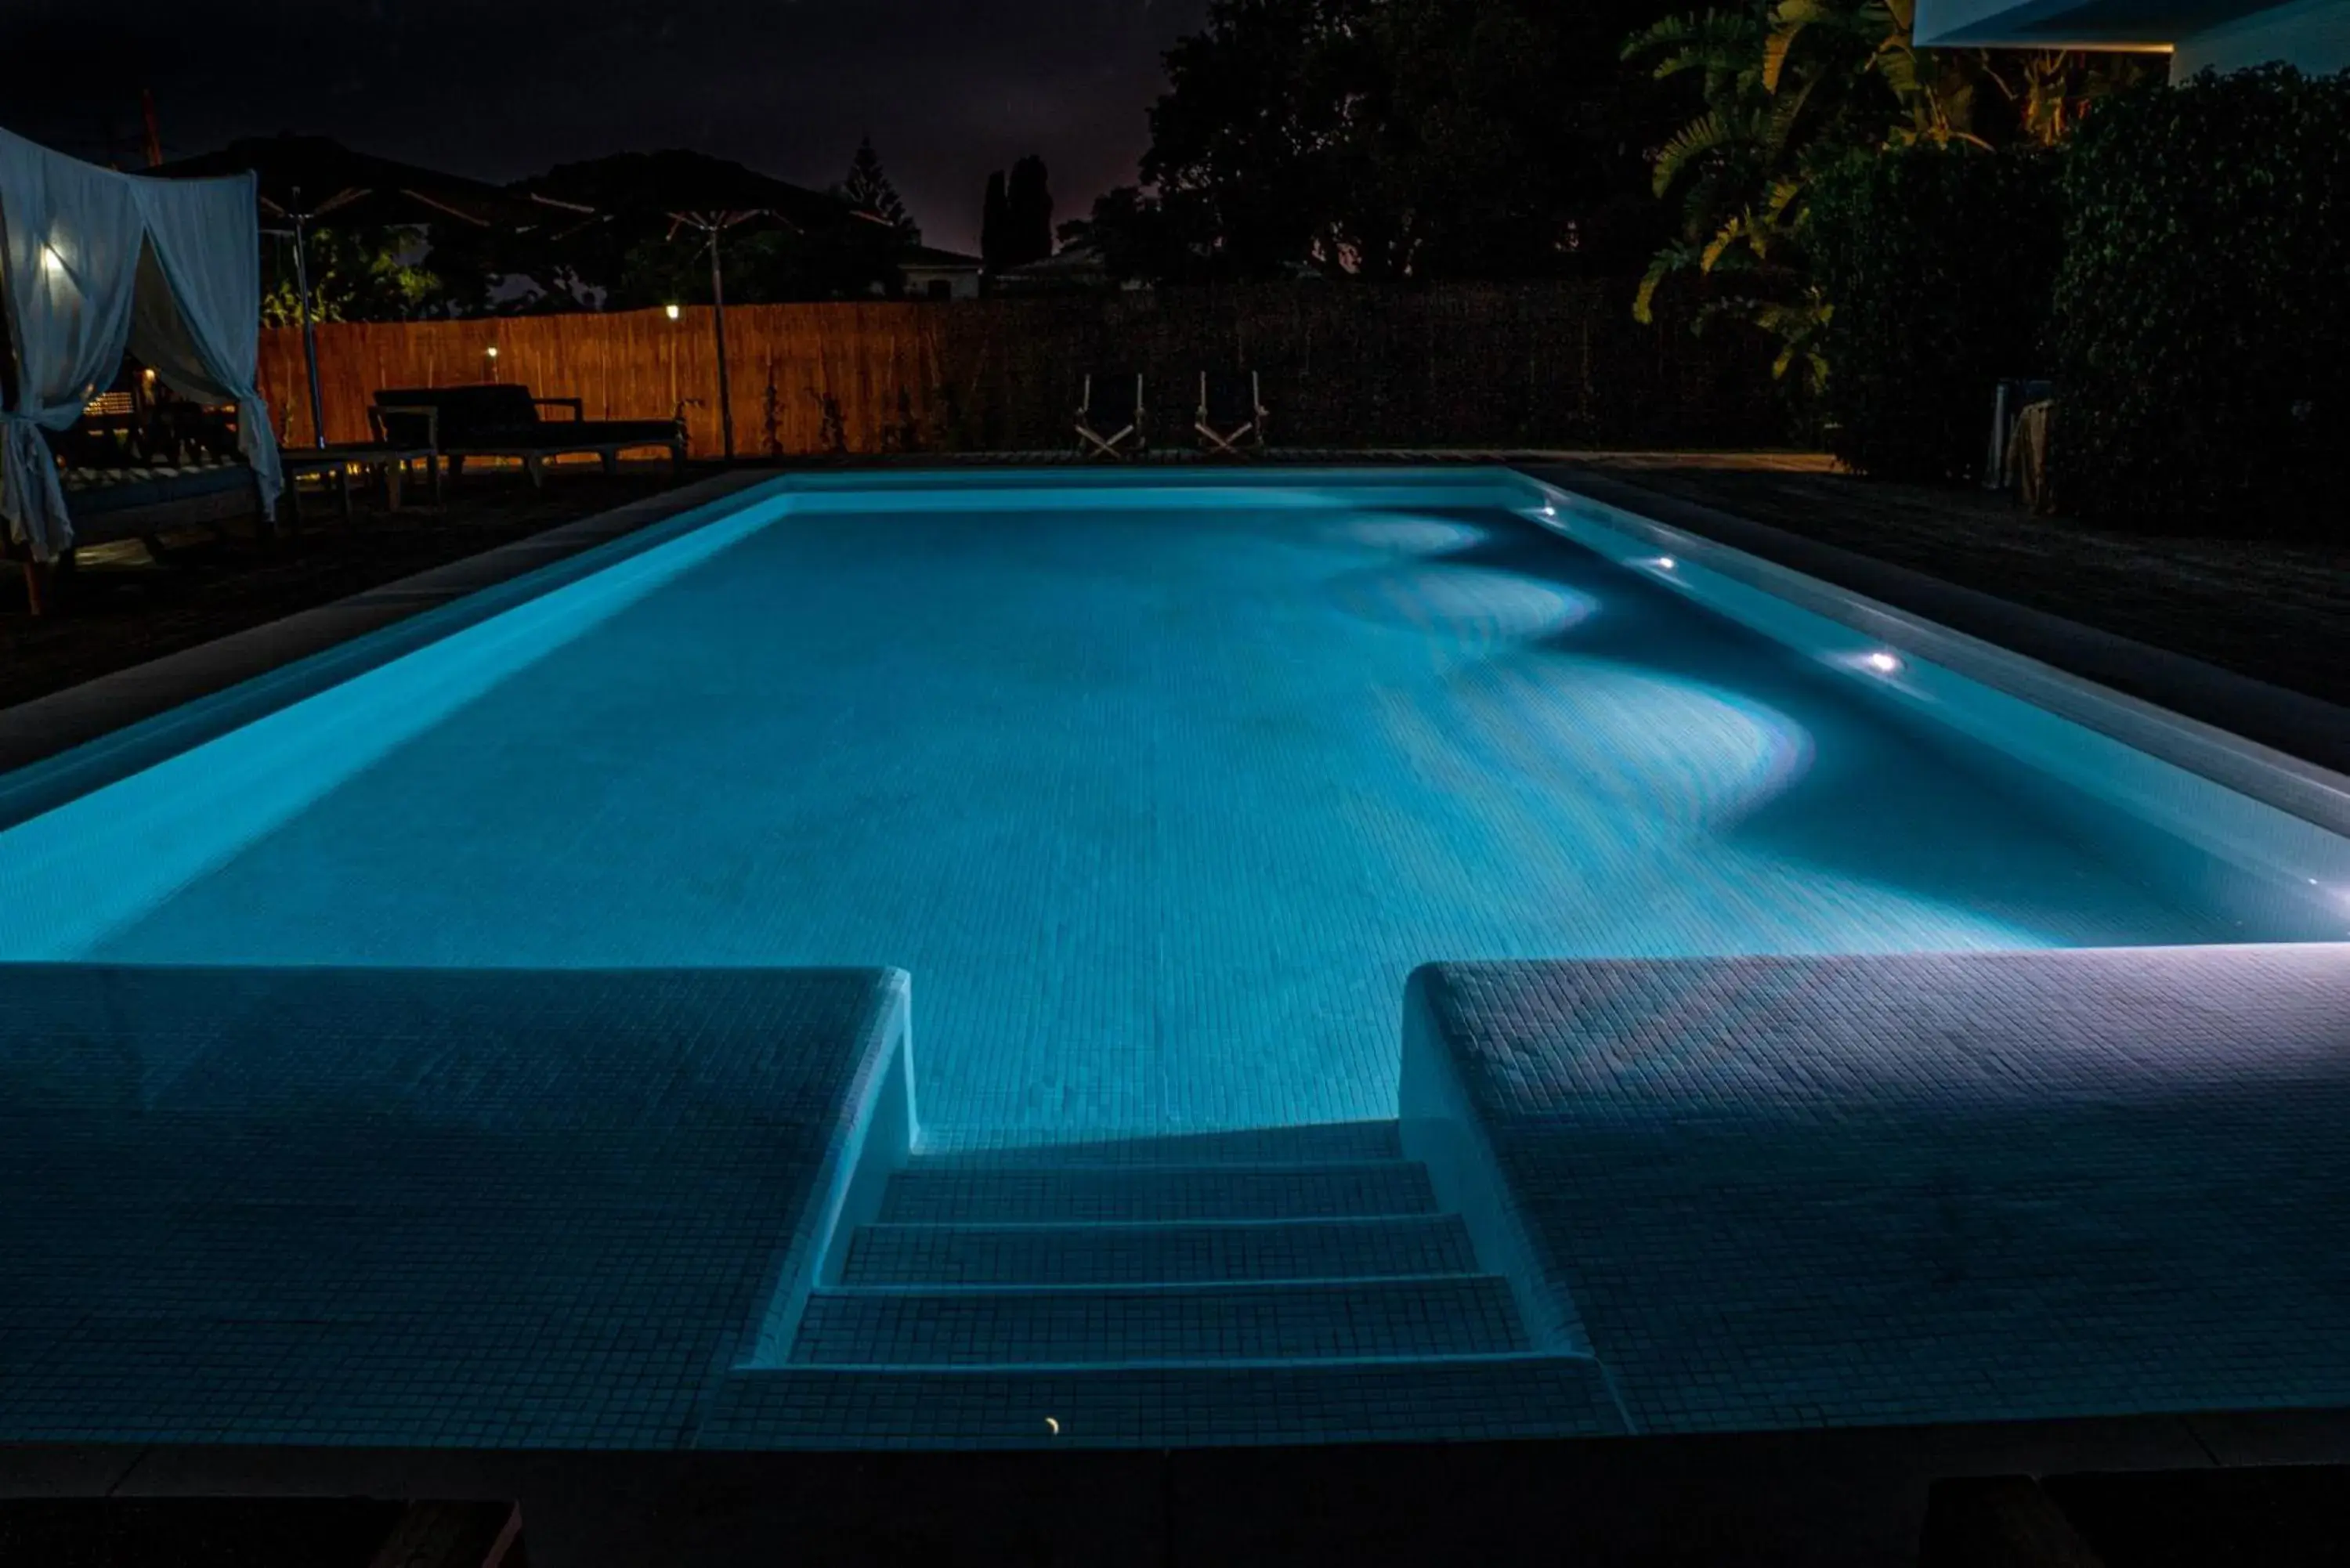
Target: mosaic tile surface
[1466,1399]
[399,1207]
[1272,1279]
[1291,1321]
[1276,1192]
[1932,1188]
[982,1254]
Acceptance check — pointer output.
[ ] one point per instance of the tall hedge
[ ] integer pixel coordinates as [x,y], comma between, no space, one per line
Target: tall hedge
[2203,314]
[1937,262]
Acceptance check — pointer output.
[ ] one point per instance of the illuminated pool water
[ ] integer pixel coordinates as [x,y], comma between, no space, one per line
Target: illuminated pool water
[1159,802]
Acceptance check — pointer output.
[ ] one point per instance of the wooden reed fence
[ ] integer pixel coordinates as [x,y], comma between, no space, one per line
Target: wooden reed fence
[1343,365]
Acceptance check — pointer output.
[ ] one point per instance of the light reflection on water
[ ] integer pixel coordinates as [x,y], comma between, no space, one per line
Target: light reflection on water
[1405,535]
[1471,607]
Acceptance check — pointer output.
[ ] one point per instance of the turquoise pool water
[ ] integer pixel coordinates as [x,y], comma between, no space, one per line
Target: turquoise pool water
[1159,802]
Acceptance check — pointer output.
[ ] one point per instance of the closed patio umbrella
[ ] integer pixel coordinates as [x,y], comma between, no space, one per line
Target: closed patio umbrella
[709,195]
[305,179]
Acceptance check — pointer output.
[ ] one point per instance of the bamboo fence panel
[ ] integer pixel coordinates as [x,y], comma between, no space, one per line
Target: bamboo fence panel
[1551,364]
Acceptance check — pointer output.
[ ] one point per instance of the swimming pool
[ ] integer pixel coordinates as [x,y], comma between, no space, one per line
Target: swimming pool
[1159,789]
[496,1031]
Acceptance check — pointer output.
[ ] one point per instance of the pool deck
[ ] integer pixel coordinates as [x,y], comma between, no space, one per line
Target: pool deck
[31,731]
[2158,603]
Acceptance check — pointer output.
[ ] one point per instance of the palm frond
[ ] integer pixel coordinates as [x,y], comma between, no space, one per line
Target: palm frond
[1709,132]
[1711,41]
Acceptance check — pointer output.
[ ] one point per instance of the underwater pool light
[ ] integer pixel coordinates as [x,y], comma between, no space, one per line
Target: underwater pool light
[1882,662]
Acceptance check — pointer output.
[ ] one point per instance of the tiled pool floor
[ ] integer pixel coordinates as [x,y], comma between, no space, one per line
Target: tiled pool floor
[1159,807]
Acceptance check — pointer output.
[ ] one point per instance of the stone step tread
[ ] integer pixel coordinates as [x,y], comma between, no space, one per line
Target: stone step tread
[1381,1319]
[1457,1397]
[922,1194]
[1168,1253]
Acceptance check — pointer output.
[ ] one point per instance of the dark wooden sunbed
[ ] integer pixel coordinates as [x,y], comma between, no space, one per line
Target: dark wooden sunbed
[502,419]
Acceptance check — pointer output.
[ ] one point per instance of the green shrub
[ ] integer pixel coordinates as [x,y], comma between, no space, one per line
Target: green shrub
[2201,328]
[1937,262]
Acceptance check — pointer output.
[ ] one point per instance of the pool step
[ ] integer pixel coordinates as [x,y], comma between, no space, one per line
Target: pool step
[1162,1325]
[1385,1246]
[1272,1248]
[1129,1194]
[1100,1406]
[1327,1143]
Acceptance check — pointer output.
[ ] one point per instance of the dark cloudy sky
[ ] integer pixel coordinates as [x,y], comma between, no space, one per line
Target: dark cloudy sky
[498,88]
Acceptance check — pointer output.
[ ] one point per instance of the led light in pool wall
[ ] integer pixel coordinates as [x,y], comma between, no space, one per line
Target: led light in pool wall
[1879,664]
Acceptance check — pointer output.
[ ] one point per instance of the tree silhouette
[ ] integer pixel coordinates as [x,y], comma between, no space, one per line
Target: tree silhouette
[994,225]
[1028,213]
[1422,139]
[868,189]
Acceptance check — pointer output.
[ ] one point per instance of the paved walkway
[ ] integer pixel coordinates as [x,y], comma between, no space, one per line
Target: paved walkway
[2277,611]
[124,608]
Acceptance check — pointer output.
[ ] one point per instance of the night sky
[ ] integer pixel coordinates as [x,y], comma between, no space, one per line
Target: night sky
[948,89]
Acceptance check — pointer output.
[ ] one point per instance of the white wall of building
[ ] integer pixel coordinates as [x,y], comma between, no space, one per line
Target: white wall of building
[2314,34]
[926,283]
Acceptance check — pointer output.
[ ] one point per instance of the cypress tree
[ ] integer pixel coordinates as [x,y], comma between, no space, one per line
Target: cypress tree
[1028,213]
[995,227]
[868,189]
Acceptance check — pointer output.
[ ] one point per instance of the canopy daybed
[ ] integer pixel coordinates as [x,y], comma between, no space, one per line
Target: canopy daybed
[95,265]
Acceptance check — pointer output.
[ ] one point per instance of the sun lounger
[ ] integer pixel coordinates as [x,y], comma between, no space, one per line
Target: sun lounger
[501,419]
[1109,422]
[1231,412]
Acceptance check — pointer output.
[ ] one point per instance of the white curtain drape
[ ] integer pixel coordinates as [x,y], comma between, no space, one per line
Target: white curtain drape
[71,260]
[93,262]
[195,313]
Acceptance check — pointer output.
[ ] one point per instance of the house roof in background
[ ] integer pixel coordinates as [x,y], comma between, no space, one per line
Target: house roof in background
[1079,259]
[931,256]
